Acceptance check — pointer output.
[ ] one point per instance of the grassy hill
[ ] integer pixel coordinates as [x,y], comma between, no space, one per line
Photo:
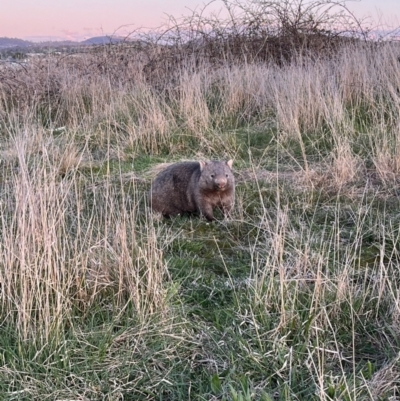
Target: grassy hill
[295,296]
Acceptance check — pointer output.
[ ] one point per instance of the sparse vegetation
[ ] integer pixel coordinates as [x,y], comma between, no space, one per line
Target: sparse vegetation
[295,296]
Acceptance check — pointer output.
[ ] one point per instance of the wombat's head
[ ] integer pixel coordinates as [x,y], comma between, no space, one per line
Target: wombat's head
[216,175]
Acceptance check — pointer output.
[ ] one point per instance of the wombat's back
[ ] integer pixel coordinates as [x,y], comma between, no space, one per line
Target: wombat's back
[169,191]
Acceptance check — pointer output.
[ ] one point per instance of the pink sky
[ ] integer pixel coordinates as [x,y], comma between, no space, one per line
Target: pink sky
[79,19]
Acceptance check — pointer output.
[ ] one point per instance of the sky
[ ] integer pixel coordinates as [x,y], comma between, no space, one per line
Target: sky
[40,20]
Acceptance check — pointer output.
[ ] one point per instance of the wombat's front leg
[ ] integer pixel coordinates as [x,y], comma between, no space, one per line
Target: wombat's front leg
[207,212]
[226,209]
[226,206]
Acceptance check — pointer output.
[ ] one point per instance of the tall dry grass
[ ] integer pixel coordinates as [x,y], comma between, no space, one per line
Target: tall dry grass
[344,98]
[350,96]
[68,241]
[306,96]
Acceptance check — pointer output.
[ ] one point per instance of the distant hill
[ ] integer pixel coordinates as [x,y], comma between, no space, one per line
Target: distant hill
[14,42]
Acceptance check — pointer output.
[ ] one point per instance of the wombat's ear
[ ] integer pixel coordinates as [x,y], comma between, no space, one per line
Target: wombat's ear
[202,165]
[229,163]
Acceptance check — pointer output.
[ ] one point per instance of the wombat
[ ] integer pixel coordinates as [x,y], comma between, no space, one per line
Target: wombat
[194,187]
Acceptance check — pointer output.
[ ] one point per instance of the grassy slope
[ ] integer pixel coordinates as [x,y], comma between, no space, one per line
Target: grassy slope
[294,297]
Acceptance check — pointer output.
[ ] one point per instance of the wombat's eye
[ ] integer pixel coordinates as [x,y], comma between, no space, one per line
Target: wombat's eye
[226,175]
[212,175]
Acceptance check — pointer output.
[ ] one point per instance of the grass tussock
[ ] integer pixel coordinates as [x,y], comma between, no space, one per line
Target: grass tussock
[295,296]
[66,242]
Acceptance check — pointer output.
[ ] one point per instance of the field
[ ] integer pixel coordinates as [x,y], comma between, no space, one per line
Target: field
[295,296]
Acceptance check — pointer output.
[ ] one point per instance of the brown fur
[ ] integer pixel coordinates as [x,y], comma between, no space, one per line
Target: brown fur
[194,187]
